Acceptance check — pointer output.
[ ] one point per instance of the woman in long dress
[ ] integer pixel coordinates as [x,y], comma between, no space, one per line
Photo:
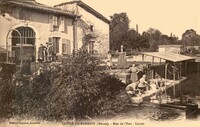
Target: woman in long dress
[41,53]
[134,76]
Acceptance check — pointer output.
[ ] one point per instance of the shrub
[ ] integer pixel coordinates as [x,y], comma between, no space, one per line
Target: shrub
[6,90]
[74,89]
[6,99]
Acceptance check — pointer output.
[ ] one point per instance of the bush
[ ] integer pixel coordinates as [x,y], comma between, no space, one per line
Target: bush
[6,99]
[6,90]
[76,89]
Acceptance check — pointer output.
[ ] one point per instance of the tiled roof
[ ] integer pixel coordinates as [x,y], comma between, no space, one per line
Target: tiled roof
[169,56]
[32,4]
[87,8]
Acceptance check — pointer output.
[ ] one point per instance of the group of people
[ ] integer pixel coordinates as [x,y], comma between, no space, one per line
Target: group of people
[140,85]
[46,53]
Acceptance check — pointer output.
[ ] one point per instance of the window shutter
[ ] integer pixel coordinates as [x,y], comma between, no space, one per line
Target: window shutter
[57,45]
[50,22]
[63,46]
[62,24]
[68,47]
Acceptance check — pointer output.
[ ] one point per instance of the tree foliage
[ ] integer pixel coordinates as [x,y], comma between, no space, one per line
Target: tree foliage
[149,40]
[119,28]
[191,38]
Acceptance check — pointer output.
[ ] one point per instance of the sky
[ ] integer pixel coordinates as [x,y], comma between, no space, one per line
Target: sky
[168,16]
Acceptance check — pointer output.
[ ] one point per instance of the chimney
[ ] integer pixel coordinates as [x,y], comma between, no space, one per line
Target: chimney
[137,28]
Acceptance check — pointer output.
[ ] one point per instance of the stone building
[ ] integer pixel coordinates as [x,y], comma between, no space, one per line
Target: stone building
[171,48]
[29,24]
[92,28]
[67,27]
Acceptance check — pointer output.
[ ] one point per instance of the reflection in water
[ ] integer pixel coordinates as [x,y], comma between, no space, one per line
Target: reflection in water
[192,88]
[153,113]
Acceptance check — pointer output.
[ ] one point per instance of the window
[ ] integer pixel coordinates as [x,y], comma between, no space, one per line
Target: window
[27,36]
[62,24]
[50,22]
[66,46]
[55,41]
[54,23]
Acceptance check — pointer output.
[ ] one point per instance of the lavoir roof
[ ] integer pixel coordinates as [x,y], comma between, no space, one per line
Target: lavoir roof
[169,56]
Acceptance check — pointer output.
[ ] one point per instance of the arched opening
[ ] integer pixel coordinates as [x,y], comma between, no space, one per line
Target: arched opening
[27,39]
[27,36]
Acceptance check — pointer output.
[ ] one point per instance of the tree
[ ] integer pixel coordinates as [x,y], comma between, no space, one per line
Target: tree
[154,38]
[143,43]
[190,38]
[135,41]
[167,40]
[119,28]
[132,39]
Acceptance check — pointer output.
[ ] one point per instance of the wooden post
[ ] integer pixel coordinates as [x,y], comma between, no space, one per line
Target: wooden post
[35,57]
[152,74]
[185,68]
[181,93]
[180,70]
[166,65]
[174,78]
[142,57]
[152,60]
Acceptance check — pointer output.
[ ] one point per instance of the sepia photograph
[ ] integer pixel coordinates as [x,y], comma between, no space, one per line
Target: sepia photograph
[99,63]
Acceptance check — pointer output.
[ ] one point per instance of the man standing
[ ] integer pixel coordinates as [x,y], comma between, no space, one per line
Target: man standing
[50,52]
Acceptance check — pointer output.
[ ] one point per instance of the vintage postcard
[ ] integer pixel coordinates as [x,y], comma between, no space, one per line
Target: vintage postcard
[99,63]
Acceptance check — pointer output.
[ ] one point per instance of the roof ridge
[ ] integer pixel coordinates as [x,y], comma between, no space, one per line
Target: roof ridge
[80,2]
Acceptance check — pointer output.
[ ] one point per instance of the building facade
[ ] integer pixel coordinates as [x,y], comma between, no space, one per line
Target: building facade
[66,27]
[171,48]
[92,28]
[30,24]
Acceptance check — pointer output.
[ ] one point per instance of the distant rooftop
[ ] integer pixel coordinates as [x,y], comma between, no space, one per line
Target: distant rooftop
[160,46]
[87,8]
